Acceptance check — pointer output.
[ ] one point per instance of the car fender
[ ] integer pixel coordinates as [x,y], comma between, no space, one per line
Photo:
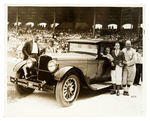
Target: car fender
[61,72]
[16,68]
[13,74]
[19,65]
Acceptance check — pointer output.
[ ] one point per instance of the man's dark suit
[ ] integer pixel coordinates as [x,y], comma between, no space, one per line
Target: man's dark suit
[27,49]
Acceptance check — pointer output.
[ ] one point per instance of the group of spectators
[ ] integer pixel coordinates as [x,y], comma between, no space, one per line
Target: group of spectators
[120,35]
[16,40]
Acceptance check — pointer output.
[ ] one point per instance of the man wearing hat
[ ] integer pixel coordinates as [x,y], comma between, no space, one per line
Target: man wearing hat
[129,68]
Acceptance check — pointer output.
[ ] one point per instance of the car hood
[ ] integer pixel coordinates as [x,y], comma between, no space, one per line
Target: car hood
[71,56]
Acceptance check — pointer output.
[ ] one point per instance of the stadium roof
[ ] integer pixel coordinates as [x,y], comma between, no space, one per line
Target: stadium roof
[104,15]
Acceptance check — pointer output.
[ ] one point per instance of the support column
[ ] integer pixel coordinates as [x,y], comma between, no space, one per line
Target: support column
[94,22]
[17,20]
[54,20]
[48,25]
[105,25]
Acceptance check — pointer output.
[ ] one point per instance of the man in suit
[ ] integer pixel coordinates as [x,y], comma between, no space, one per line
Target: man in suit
[30,50]
[129,70]
[116,72]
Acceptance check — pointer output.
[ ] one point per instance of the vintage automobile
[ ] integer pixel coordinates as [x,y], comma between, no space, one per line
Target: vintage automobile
[65,73]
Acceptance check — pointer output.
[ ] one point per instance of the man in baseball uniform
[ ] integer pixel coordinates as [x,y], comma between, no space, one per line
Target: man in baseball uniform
[129,70]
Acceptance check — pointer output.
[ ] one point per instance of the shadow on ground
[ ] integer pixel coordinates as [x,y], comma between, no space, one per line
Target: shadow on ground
[13,95]
[87,93]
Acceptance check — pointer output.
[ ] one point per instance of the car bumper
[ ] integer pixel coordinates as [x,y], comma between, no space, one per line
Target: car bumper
[27,83]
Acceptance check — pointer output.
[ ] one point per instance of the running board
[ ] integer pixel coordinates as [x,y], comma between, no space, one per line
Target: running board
[100,86]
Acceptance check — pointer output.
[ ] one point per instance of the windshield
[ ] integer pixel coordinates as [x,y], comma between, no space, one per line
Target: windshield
[84,47]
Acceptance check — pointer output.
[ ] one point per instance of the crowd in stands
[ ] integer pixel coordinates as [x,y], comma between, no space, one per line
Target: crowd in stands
[16,40]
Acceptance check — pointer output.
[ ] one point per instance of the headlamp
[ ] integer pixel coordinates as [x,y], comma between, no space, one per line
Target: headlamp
[29,63]
[52,65]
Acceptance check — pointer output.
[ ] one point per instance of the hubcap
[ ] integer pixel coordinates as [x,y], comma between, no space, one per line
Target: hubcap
[70,89]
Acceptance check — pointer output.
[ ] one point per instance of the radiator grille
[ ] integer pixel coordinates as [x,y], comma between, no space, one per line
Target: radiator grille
[43,73]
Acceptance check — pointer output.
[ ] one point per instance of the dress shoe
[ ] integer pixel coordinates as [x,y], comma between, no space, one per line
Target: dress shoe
[127,94]
[124,93]
[112,92]
[118,93]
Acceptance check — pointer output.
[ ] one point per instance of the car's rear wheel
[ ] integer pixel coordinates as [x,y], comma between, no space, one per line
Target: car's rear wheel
[21,89]
[68,89]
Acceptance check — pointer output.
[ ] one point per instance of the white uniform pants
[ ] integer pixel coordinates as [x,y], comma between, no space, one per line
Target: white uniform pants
[116,75]
[129,75]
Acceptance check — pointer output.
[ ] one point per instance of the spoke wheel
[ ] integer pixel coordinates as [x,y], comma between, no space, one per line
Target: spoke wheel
[67,90]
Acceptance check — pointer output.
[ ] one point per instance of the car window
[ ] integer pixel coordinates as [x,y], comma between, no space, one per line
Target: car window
[84,47]
[103,46]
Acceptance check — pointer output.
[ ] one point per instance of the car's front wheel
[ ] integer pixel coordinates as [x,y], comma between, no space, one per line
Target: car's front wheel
[68,89]
[24,90]
[21,89]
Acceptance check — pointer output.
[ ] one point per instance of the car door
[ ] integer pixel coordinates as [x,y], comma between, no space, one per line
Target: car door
[104,65]
[92,70]
[103,70]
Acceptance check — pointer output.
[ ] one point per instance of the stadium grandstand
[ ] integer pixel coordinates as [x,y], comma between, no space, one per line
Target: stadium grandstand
[59,24]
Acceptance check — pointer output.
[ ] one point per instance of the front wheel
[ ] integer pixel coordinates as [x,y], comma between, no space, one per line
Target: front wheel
[21,89]
[24,90]
[67,90]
